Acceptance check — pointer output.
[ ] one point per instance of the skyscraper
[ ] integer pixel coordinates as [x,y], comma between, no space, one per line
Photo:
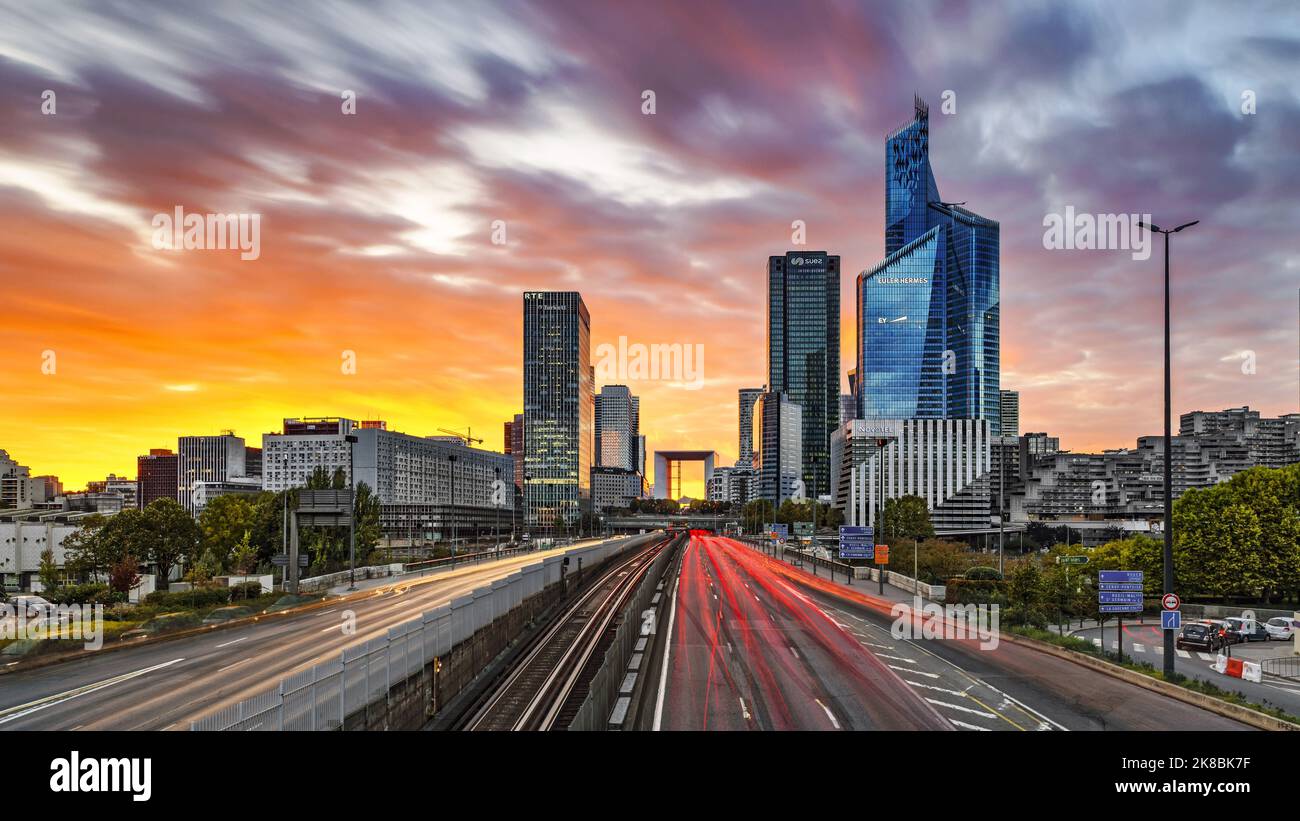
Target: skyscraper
[803,350]
[559,407]
[155,476]
[1009,412]
[207,460]
[928,314]
[748,396]
[779,437]
[618,419]
[514,446]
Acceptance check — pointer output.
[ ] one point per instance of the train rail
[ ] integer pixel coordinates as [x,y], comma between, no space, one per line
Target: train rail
[544,689]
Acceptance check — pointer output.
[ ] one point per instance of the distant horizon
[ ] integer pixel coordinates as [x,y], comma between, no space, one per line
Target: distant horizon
[506,147]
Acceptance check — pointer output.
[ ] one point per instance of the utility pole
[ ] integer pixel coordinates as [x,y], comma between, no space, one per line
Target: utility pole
[352,520]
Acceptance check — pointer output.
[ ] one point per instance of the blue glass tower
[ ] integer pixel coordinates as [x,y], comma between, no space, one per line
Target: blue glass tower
[928,315]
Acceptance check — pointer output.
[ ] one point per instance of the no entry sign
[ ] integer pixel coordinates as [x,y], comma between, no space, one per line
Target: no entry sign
[1170,601]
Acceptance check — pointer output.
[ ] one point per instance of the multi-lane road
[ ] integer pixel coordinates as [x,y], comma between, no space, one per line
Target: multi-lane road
[754,643]
[166,685]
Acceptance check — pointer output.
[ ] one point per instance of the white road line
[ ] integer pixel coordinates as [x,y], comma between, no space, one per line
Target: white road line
[743,709]
[796,652]
[668,649]
[1139,648]
[21,710]
[236,664]
[1205,656]
[969,726]
[957,693]
[896,658]
[236,641]
[1183,654]
[913,672]
[979,713]
[829,714]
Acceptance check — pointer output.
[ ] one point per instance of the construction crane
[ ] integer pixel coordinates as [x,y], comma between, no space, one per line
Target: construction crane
[467,437]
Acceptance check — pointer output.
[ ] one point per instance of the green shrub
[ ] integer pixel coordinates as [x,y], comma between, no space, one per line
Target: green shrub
[975,591]
[984,573]
[84,594]
[200,597]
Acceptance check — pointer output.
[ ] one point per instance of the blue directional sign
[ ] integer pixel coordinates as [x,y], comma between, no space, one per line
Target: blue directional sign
[1120,598]
[857,542]
[781,531]
[1119,608]
[1120,586]
[1120,576]
[1171,619]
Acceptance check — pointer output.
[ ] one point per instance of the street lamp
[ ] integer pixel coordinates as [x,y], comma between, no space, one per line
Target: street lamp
[352,523]
[1169,502]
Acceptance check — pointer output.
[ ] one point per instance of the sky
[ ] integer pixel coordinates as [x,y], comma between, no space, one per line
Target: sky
[379,291]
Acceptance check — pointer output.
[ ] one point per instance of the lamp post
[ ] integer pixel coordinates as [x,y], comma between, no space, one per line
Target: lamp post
[451,459]
[1169,502]
[496,527]
[352,521]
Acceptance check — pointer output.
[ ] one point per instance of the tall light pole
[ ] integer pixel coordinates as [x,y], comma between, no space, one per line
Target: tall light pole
[1169,501]
[352,524]
[496,528]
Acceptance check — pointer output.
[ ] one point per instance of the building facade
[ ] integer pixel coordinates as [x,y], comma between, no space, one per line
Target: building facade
[747,397]
[618,433]
[803,350]
[207,459]
[928,315]
[779,436]
[613,488]
[155,476]
[302,446]
[559,407]
[1009,412]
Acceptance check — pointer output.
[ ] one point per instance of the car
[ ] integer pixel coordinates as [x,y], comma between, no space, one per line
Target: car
[35,606]
[161,624]
[1282,628]
[1247,629]
[225,614]
[1224,629]
[1199,635]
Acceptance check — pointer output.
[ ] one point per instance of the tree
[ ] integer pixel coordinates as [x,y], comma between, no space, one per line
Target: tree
[103,542]
[368,531]
[49,571]
[173,536]
[224,522]
[124,575]
[203,570]
[243,559]
[1025,594]
[906,517]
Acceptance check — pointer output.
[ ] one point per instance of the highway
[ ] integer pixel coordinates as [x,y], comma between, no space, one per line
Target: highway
[165,685]
[755,643]
[747,651]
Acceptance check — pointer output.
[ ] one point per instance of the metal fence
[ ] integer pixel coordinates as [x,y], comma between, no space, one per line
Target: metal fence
[1286,667]
[343,692]
[594,712]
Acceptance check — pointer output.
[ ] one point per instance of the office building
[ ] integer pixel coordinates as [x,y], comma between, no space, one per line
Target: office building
[946,462]
[778,437]
[613,488]
[155,476]
[559,407]
[414,478]
[735,485]
[928,314]
[207,459]
[123,487]
[618,436]
[304,445]
[848,408]
[1009,412]
[15,483]
[514,446]
[803,350]
[748,396]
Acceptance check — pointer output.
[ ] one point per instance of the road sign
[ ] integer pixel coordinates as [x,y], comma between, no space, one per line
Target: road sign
[1119,598]
[1120,608]
[882,554]
[1170,601]
[1120,576]
[1071,559]
[803,529]
[781,532]
[282,560]
[857,542]
[1171,619]
[1120,586]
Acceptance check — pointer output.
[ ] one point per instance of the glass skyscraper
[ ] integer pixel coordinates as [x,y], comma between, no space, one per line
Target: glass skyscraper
[803,351]
[559,407]
[928,315]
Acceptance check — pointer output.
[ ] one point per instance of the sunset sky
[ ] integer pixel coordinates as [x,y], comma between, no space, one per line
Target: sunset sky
[376,228]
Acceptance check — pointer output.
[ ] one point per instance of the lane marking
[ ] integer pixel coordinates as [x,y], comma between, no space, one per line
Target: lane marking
[957,693]
[227,644]
[668,649]
[1205,656]
[11,713]
[743,710]
[236,664]
[896,658]
[969,726]
[796,652]
[1183,654]
[829,714]
[913,672]
[950,706]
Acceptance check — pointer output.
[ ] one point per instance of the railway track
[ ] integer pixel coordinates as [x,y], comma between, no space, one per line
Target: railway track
[547,685]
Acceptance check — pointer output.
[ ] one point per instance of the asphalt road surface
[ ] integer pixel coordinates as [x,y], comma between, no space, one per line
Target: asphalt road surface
[756,643]
[169,684]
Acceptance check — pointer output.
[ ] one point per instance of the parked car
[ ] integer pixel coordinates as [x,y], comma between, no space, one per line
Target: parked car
[36,606]
[1226,630]
[1199,635]
[1248,629]
[1282,628]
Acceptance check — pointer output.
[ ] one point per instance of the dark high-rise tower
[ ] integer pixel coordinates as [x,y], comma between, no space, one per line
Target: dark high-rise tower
[928,315]
[748,396]
[803,350]
[559,407]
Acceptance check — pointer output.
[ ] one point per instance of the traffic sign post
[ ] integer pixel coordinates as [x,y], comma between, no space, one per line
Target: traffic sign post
[882,559]
[1119,592]
[1170,601]
[1171,619]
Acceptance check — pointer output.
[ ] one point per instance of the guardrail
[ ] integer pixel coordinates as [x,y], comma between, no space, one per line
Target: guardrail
[398,680]
[1285,667]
